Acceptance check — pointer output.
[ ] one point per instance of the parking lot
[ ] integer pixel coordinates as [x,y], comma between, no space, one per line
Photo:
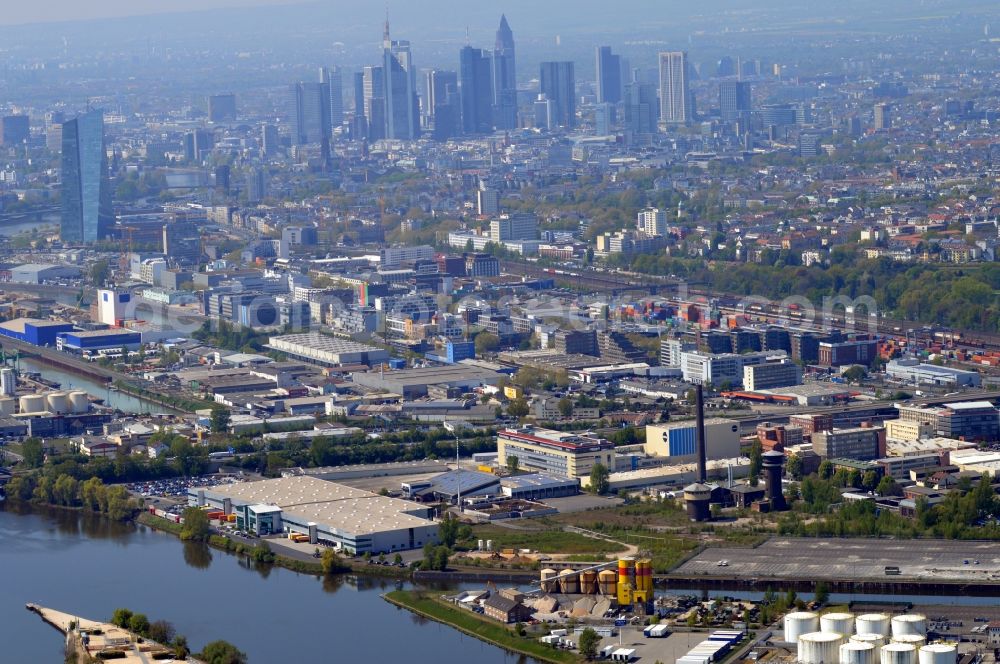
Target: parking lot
[177,487]
[792,558]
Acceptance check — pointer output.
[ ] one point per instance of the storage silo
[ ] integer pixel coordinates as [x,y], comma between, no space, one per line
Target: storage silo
[838,623]
[798,623]
[872,623]
[606,581]
[569,581]
[32,403]
[858,653]
[546,585]
[8,406]
[914,640]
[8,382]
[79,401]
[819,647]
[898,653]
[937,653]
[58,402]
[876,640]
[588,582]
[909,623]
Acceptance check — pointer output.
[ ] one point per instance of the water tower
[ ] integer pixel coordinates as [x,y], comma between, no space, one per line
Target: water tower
[773,463]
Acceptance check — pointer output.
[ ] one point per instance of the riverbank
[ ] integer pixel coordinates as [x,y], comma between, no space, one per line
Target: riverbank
[223,543]
[492,632]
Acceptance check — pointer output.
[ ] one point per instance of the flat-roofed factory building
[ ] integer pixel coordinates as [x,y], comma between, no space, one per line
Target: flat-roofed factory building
[353,520]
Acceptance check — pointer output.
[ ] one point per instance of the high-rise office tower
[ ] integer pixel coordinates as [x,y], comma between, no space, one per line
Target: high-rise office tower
[269,140]
[504,78]
[222,108]
[87,214]
[734,100]
[640,108]
[333,79]
[198,143]
[558,84]
[883,117]
[309,113]
[444,107]
[402,107]
[256,185]
[53,130]
[374,102]
[609,76]
[476,88]
[676,103]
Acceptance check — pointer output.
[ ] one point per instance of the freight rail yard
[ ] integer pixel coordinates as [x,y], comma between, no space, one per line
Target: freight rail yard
[864,559]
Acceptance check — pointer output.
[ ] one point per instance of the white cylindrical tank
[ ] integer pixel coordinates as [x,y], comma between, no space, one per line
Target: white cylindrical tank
[876,640]
[8,405]
[858,653]
[79,401]
[898,653]
[482,545]
[909,623]
[937,653]
[58,402]
[914,640]
[489,545]
[820,647]
[32,403]
[838,623]
[872,623]
[798,623]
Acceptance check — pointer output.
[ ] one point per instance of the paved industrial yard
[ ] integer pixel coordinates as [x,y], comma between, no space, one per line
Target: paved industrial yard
[650,650]
[861,559]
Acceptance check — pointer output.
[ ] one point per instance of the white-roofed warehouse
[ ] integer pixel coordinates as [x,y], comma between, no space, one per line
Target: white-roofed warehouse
[351,519]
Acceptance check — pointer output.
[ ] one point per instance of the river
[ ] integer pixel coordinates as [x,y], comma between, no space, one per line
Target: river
[90,566]
[70,380]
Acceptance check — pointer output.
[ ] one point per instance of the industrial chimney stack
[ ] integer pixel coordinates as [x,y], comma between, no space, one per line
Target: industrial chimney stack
[700,434]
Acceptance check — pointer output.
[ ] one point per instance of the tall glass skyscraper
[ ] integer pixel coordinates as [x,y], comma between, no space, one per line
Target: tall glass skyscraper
[557,82]
[504,78]
[609,76]
[87,214]
[476,90]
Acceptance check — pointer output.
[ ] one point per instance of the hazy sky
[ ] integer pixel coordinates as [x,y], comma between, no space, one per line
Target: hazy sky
[27,11]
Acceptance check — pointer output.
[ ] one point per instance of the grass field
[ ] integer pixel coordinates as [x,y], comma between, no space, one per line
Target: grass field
[472,624]
[542,539]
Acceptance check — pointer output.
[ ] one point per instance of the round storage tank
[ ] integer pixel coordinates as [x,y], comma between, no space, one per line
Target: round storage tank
[909,623]
[914,640]
[607,580]
[588,582]
[872,623]
[858,653]
[58,402]
[820,647]
[898,653]
[79,401]
[937,653]
[876,640]
[838,623]
[32,403]
[798,623]
[569,583]
[8,406]
[546,585]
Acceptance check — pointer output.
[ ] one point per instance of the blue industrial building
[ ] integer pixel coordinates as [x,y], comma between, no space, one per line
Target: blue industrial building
[34,331]
[88,340]
[456,351]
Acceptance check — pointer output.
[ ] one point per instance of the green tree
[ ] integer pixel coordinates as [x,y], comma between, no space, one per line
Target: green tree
[518,408]
[599,479]
[756,461]
[220,420]
[794,467]
[588,642]
[99,273]
[886,486]
[162,632]
[822,592]
[487,343]
[513,464]
[448,530]
[825,469]
[31,450]
[222,652]
[181,649]
[196,525]
[121,618]
[869,480]
[565,407]
[139,624]
[330,562]
[855,374]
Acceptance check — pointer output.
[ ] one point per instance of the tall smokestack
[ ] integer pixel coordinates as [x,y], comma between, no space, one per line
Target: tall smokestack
[699,435]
